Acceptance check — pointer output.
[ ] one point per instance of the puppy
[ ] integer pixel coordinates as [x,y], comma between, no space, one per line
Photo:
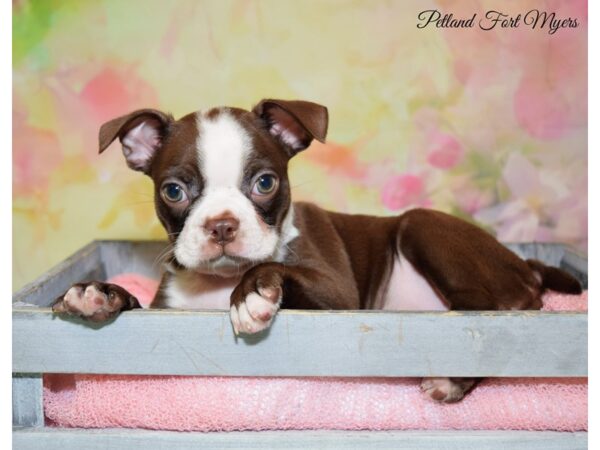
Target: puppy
[237,242]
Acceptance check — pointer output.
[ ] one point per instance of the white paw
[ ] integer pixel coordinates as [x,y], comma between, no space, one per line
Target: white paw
[443,389]
[257,311]
[87,302]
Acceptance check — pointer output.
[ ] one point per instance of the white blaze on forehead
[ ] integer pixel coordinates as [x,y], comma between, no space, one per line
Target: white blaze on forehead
[223,146]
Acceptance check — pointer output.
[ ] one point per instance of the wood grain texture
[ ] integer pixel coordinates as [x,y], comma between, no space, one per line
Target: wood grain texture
[141,257]
[306,343]
[76,439]
[27,407]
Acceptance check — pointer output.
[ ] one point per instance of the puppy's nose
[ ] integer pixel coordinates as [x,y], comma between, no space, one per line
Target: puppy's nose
[223,229]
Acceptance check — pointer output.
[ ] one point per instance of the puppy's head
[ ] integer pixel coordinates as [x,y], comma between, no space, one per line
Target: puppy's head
[220,176]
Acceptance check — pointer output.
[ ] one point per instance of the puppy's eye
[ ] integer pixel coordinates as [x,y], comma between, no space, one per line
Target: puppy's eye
[265,184]
[174,193]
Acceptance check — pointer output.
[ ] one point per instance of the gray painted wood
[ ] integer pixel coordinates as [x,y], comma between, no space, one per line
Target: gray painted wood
[307,343]
[86,264]
[300,343]
[27,407]
[551,254]
[76,439]
[575,263]
[142,257]
[557,255]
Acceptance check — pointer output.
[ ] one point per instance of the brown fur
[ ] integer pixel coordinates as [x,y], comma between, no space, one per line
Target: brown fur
[341,261]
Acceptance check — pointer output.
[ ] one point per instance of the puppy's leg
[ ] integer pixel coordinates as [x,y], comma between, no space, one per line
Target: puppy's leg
[266,287]
[469,270]
[256,300]
[95,301]
[448,390]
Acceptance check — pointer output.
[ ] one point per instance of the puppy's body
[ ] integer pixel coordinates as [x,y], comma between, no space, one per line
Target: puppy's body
[238,243]
[421,260]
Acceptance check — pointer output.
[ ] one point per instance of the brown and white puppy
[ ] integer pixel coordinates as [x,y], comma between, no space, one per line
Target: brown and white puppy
[239,243]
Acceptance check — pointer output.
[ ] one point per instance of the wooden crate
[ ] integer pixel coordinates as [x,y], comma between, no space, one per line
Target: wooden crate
[300,343]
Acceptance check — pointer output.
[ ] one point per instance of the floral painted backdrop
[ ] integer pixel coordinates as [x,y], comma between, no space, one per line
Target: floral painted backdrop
[487,125]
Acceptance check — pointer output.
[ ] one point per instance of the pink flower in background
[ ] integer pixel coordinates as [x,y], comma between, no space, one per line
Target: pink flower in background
[468,196]
[445,151]
[36,154]
[541,109]
[538,198]
[401,191]
[113,92]
[337,159]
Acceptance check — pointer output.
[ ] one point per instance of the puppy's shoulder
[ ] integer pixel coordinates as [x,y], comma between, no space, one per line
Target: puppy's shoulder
[308,208]
[308,215]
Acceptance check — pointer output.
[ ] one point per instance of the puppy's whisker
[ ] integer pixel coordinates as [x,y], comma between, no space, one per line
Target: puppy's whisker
[164,256]
[297,258]
[302,184]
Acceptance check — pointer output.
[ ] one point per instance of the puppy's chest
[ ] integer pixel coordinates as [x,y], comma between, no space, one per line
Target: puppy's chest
[195,291]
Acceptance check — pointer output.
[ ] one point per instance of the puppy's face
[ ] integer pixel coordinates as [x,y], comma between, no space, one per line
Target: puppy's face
[221,186]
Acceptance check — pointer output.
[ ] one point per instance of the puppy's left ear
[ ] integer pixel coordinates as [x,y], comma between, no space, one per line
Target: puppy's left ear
[294,122]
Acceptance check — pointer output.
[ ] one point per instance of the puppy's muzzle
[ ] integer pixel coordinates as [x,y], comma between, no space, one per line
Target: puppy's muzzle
[222,230]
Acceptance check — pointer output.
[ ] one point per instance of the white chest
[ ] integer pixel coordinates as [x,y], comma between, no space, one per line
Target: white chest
[196,291]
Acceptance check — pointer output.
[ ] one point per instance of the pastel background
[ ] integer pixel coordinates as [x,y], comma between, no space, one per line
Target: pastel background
[490,126]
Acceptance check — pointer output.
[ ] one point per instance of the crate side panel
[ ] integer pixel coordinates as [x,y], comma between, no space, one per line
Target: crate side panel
[303,343]
[141,257]
[114,439]
[27,405]
[86,264]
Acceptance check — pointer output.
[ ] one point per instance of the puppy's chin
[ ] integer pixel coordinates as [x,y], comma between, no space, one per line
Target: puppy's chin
[223,266]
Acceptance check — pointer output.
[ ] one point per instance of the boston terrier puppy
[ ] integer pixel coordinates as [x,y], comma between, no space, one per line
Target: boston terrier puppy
[237,242]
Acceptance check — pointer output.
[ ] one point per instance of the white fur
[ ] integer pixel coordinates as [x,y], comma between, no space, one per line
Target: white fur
[189,290]
[450,390]
[223,147]
[289,232]
[85,301]
[286,136]
[246,318]
[139,145]
[407,290]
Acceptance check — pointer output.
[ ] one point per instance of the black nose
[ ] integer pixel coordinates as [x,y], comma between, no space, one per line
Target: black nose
[223,229]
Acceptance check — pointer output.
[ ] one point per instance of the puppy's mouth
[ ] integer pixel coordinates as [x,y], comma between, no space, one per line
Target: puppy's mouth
[226,265]
[225,253]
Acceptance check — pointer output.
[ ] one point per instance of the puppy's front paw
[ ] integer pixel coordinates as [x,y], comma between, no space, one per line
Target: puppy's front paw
[95,301]
[256,300]
[447,390]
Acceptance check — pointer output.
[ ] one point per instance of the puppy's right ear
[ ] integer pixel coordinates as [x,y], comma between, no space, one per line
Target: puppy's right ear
[141,133]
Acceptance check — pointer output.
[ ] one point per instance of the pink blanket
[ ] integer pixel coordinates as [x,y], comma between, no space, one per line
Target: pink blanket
[247,403]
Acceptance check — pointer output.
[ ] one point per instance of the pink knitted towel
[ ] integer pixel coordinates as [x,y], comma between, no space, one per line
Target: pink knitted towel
[248,403]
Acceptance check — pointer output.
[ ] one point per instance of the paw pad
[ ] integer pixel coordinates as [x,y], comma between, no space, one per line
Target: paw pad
[256,312]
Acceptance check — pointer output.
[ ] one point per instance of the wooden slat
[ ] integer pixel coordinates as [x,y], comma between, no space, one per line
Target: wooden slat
[304,343]
[575,263]
[84,265]
[76,439]
[140,257]
[27,407]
